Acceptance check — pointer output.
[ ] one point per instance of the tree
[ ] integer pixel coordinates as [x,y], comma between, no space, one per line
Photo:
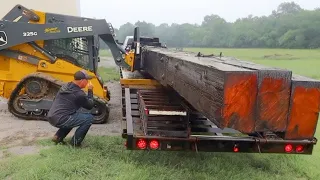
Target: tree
[125,30]
[288,26]
[146,29]
[288,8]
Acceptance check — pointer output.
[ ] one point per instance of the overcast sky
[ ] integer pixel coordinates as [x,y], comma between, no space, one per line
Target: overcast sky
[119,12]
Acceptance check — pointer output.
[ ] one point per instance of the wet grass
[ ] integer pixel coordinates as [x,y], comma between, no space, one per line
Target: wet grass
[301,61]
[105,53]
[109,74]
[106,158]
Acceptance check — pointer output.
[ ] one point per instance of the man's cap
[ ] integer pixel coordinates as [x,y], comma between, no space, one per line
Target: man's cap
[79,75]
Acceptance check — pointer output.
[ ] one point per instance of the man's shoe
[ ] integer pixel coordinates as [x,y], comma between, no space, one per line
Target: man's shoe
[57,140]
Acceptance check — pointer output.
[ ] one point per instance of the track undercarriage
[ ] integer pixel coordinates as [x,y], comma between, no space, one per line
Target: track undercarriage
[33,95]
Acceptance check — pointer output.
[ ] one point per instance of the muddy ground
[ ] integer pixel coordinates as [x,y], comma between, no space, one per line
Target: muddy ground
[19,135]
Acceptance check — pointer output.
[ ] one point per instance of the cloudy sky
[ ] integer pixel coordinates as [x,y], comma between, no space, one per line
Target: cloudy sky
[180,11]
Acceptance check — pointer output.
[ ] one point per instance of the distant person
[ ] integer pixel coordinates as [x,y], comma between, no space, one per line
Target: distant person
[64,114]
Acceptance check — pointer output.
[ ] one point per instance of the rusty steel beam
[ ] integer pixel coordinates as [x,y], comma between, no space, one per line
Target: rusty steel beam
[223,93]
[237,94]
[305,107]
[292,97]
[274,88]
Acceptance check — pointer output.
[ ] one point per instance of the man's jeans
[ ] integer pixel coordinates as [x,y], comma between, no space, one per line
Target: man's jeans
[83,120]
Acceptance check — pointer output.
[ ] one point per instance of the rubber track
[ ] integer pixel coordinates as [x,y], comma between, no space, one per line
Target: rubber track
[15,93]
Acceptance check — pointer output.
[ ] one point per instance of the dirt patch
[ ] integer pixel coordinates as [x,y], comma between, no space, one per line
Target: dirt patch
[24,150]
[16,132]
[280,57]
[18,136]
[21,150]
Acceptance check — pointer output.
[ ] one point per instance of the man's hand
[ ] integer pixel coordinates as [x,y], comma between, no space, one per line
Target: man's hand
[90,86]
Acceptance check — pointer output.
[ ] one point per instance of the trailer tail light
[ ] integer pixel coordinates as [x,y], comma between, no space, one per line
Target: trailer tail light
[146,111]
[299,149]
[235,148]
[154,144]
[288,148]
[142,144]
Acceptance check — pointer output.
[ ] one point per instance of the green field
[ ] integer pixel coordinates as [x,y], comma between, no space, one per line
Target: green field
[108,74]
[106,158]
[105,53]
[303,62]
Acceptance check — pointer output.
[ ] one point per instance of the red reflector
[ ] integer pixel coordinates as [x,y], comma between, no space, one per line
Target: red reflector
[154,144]
[235,149]
[299,148]
[288,148]
[142,144]
[146,111]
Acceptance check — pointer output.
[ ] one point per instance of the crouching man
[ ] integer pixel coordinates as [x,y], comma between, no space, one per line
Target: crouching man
[64,114]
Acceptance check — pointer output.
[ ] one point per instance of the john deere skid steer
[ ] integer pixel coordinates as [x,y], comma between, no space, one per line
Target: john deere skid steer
[40,51]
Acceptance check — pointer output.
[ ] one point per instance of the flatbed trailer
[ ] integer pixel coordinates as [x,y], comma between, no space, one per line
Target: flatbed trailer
[172,101]
[166,122]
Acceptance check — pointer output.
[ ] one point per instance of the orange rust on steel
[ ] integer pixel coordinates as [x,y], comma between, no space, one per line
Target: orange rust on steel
[273,94]
[240,99]
[139,82]
[304,113]
[273,102]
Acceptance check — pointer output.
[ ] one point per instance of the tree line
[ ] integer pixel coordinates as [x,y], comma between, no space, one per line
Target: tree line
[289,26]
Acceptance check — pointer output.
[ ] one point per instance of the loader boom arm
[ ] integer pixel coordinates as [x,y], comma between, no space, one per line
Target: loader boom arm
[15,33]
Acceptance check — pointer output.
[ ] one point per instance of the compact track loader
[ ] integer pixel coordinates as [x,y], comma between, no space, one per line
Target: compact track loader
[40,51]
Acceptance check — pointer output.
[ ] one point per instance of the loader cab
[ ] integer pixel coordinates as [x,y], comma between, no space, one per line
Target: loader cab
[80,51]
[95,53]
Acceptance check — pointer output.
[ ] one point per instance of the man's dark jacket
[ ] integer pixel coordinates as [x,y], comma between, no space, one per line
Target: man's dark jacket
[68,100]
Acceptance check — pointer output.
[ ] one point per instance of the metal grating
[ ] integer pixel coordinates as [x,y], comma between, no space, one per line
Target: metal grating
[74,50]
[162,115]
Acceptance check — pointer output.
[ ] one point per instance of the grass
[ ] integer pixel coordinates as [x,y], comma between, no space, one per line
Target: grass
[105,157]
[109,74]
[105,53]
[303,62]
